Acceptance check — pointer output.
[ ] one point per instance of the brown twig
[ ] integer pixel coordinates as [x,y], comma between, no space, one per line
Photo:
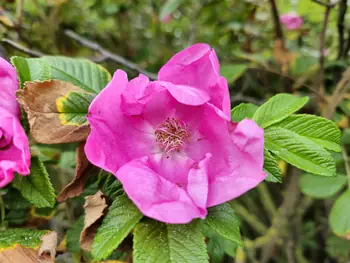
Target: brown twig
[343,6]
[280,221]
[23,49]
[327,4]
[338,94]
[276,20]
[107,54]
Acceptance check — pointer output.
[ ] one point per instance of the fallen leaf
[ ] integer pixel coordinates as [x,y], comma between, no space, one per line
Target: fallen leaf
[94,207]
[47,251]
[22,247]
[54,113]
[83,170]
[17,254]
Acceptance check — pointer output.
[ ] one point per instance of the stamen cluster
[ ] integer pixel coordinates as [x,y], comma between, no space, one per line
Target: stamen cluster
[171,134]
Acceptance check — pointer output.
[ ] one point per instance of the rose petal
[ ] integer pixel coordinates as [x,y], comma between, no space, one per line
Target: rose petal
[247,163]
[8,86]
[155,196]
[197,186]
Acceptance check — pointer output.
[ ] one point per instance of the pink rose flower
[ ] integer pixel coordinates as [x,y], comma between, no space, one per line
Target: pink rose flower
[167,19]
[171,142]
[291,20]
[14,146]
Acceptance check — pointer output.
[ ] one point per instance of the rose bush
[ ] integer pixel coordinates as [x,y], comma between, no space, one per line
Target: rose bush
[171,142]
[14,146]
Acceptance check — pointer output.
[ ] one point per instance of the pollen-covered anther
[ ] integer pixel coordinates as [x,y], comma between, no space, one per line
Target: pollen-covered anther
[171,134]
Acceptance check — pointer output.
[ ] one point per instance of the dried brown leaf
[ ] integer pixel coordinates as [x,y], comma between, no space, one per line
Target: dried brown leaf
[83,170]
[39,101]
[94,207]
[17,254]
[47,251]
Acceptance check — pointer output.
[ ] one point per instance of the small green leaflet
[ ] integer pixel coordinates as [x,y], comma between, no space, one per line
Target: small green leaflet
[299,151]
[73,236]
[339,218]
[242,111]
[162,243]
[232,72]
[324,132]
[36,187]
[24,237]
[278,108]
[321,187]
[81,72]
[122,216]
[272,168]
[224,221]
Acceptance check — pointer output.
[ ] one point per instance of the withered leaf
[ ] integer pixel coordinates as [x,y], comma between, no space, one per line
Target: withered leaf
[18,253]
[56,111]
[47,251]
[94,207]
[83,170]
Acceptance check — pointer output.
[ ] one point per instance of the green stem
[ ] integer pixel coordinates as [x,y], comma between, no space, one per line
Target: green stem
[266,199]
[346,162]
[2,210]
[251,219]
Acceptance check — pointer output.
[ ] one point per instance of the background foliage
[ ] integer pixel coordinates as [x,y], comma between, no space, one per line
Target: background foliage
[304,219]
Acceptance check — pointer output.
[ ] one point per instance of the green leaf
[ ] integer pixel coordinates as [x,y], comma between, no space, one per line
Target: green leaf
[339,218]
[232,72]
[325,132]
[224,221]
[122,216]
[299,151]
[73,107]
[31,69]
[321,187]
[81,72]
[272,168]
[278,108]
[24,237]
[162,243]
[36,187]
[73,235]
[169,7]
[242,111]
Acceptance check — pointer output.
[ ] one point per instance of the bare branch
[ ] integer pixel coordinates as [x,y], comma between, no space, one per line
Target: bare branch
[327,4]
[107,54]
[338,94]
[276,20]
[23,49]
[340,24]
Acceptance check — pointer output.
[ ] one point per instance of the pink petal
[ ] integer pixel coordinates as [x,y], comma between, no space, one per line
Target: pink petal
[186,94]
[198,67]
[197,186]
[134,96]
[8,87]
[247,162]
[116,138]
[155,196]
[15,157]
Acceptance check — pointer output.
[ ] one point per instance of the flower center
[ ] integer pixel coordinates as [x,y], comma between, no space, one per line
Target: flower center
[171,134]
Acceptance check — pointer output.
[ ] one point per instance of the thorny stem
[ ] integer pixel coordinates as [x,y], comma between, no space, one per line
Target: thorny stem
[266,199]
[2,210]
[253,221]
[346,162]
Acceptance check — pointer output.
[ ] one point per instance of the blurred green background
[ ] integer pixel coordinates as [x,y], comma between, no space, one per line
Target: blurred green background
[257,61]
